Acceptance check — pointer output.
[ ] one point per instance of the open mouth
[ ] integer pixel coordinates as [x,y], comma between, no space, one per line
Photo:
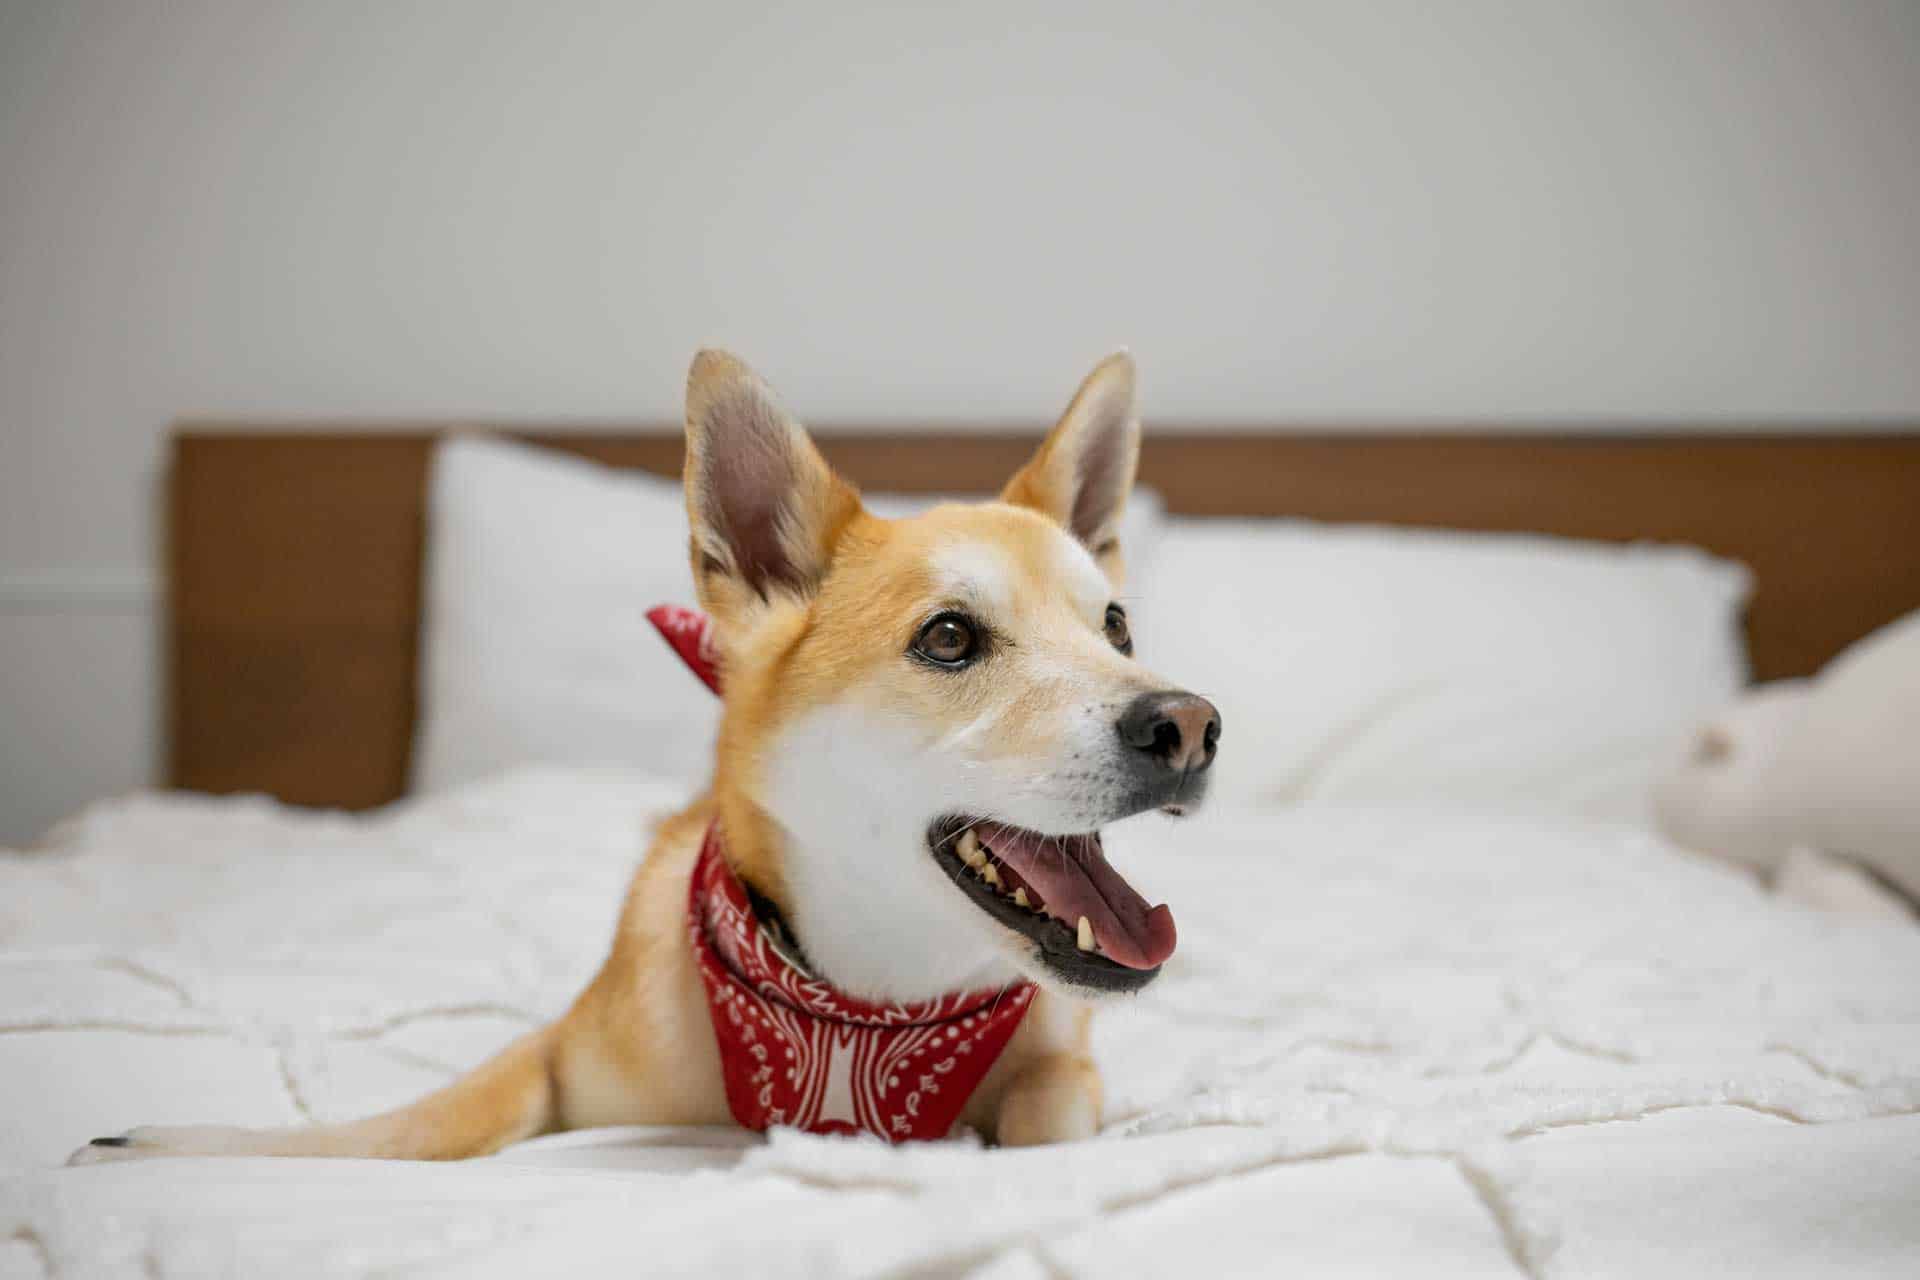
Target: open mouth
[1088,925]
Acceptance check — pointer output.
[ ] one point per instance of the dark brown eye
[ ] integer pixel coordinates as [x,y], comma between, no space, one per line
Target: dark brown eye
[1118,635]
[949,640]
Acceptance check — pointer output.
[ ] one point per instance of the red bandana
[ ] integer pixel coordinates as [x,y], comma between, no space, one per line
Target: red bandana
[793,1050]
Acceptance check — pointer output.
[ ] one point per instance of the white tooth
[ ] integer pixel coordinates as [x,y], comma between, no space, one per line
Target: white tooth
[1020,898]
[1086,934]
[991,875]
[969,848]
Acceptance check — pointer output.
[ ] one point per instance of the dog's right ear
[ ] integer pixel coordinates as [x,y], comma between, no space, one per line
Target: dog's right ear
[764,506]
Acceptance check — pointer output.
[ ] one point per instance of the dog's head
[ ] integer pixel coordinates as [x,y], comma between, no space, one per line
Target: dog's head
[928,721]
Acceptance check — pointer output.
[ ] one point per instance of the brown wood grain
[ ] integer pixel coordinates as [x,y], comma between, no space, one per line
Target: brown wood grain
[294,556]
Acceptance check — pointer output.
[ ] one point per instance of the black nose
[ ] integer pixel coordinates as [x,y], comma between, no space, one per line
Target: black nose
[1180,731]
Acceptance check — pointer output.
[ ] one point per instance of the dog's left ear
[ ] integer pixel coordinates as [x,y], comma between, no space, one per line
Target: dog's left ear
[1084,470]
[764,507]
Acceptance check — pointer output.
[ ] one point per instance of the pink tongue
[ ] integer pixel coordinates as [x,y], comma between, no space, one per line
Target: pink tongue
[1073,879]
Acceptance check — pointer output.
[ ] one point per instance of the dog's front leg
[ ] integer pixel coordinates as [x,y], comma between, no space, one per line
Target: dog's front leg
[1055,1098]
[1045,1088]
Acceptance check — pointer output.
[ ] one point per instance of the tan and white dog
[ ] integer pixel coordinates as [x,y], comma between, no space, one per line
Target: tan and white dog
[926,723]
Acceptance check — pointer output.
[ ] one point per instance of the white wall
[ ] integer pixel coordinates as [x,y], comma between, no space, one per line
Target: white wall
[1624,211]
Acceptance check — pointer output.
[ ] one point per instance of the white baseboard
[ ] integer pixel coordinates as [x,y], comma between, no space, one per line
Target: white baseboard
[78,591]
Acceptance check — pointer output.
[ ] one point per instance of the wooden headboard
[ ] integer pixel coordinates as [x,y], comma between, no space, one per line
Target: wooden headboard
[294,556]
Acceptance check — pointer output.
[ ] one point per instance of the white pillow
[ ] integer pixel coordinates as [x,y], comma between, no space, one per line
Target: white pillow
[1368,665]
[534,643]
[534,647]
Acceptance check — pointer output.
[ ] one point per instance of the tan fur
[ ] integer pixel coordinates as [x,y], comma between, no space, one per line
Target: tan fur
[637,1047]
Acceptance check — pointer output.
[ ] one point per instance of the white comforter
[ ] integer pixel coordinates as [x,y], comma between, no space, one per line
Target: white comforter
[1435,1045]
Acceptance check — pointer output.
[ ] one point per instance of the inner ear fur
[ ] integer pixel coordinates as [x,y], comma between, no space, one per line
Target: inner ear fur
[763,506]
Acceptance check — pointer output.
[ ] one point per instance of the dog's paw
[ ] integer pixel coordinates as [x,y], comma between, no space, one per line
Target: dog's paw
[152,1141]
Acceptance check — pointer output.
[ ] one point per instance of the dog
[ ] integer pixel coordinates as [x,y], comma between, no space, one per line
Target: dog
[926,723]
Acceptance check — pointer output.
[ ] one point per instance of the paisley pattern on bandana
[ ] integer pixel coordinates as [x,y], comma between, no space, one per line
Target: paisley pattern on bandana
[796,1051]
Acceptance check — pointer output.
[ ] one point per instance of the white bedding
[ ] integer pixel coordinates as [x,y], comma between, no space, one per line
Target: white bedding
[1389,1042]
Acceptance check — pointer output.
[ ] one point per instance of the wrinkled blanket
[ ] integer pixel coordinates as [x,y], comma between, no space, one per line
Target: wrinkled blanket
[1388,1042]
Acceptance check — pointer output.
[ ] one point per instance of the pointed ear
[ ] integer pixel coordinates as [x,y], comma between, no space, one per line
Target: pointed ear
[764,507]
[1084,470]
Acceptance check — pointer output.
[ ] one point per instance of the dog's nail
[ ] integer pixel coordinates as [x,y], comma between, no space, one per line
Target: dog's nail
[991,874]
[1020,898]
[121,1141]
[1086,934]
[969,848]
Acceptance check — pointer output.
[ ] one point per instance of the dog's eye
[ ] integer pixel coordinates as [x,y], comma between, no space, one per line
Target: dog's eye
[949,640]
[1118,634]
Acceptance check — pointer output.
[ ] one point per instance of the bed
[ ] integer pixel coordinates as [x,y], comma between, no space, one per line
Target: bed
[1397,1038]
